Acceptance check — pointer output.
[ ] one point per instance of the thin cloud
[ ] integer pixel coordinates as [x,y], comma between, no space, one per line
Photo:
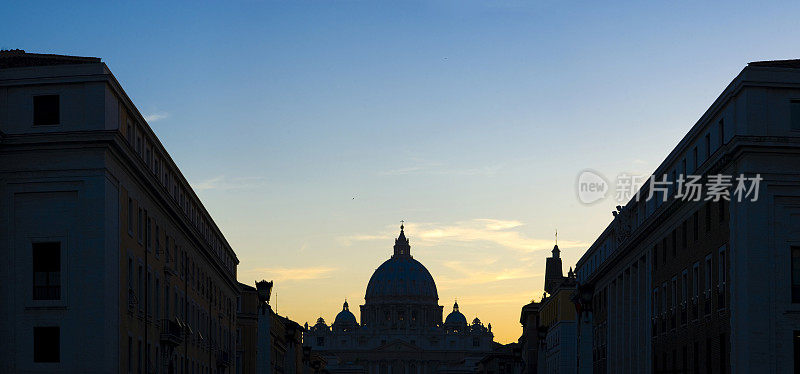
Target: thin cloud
[501,232]
[152,117]
[479,277]
[226,184]
[293,274]
[465,272]
[504,233]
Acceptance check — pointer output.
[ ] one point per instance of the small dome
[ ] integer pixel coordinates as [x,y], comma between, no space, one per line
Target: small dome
[345,317]
[455,318]
[321,322]
[476,321]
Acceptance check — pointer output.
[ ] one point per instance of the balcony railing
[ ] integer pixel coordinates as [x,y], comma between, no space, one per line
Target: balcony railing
[171,332]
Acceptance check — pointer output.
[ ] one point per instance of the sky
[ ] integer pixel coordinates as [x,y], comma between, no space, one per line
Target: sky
[309,129]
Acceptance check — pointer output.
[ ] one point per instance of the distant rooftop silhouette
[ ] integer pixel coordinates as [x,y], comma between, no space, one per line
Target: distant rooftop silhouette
[18,58]
[793,64]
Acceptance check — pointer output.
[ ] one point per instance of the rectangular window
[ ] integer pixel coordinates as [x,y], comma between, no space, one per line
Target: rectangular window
[149,294]
[708,216]
[696,226]
[796,274]
[722,211]
[129,131]
[140,227]
[674,243]
[694,156]
[147,236]
[707,274]
[46,344]
[655,257]
[148,159]
[684,285]
[140,287]
[158,242]
[674,293]
[664,249]
[655,308]
[130,217]
[157,298]
[130,282]
[721,132]
[47,271]
[46,110]
[166,300]
[708,146]
[696,280]
[684,234]
[795,114]
[721,268]
[684,172]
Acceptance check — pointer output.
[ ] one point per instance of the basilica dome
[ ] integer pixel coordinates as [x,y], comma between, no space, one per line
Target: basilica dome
[401,278]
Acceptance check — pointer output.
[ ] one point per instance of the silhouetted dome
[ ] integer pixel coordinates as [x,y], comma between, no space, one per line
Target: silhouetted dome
[345,317]
[401,277]
[455,318]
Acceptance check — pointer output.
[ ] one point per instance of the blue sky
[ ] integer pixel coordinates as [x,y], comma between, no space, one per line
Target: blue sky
[310,129]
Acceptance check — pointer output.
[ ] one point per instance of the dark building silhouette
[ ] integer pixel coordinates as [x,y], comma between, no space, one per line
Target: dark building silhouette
[530,341]
[677,285]
[504,358]
[110,262]
[554,273]
[280,338]
[401,329]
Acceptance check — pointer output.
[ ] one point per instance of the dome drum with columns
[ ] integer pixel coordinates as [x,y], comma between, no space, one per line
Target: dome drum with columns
[401,324]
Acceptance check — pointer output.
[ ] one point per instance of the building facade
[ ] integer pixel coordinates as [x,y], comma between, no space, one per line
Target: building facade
[401,329]
[529,341]
[109,261]
[557,317]
[268,342]
[678,285]
[504,359]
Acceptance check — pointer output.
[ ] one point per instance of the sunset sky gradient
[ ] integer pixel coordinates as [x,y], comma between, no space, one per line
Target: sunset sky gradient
[310,129]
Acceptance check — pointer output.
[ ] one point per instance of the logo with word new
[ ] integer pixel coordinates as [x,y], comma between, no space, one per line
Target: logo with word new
[591,187]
